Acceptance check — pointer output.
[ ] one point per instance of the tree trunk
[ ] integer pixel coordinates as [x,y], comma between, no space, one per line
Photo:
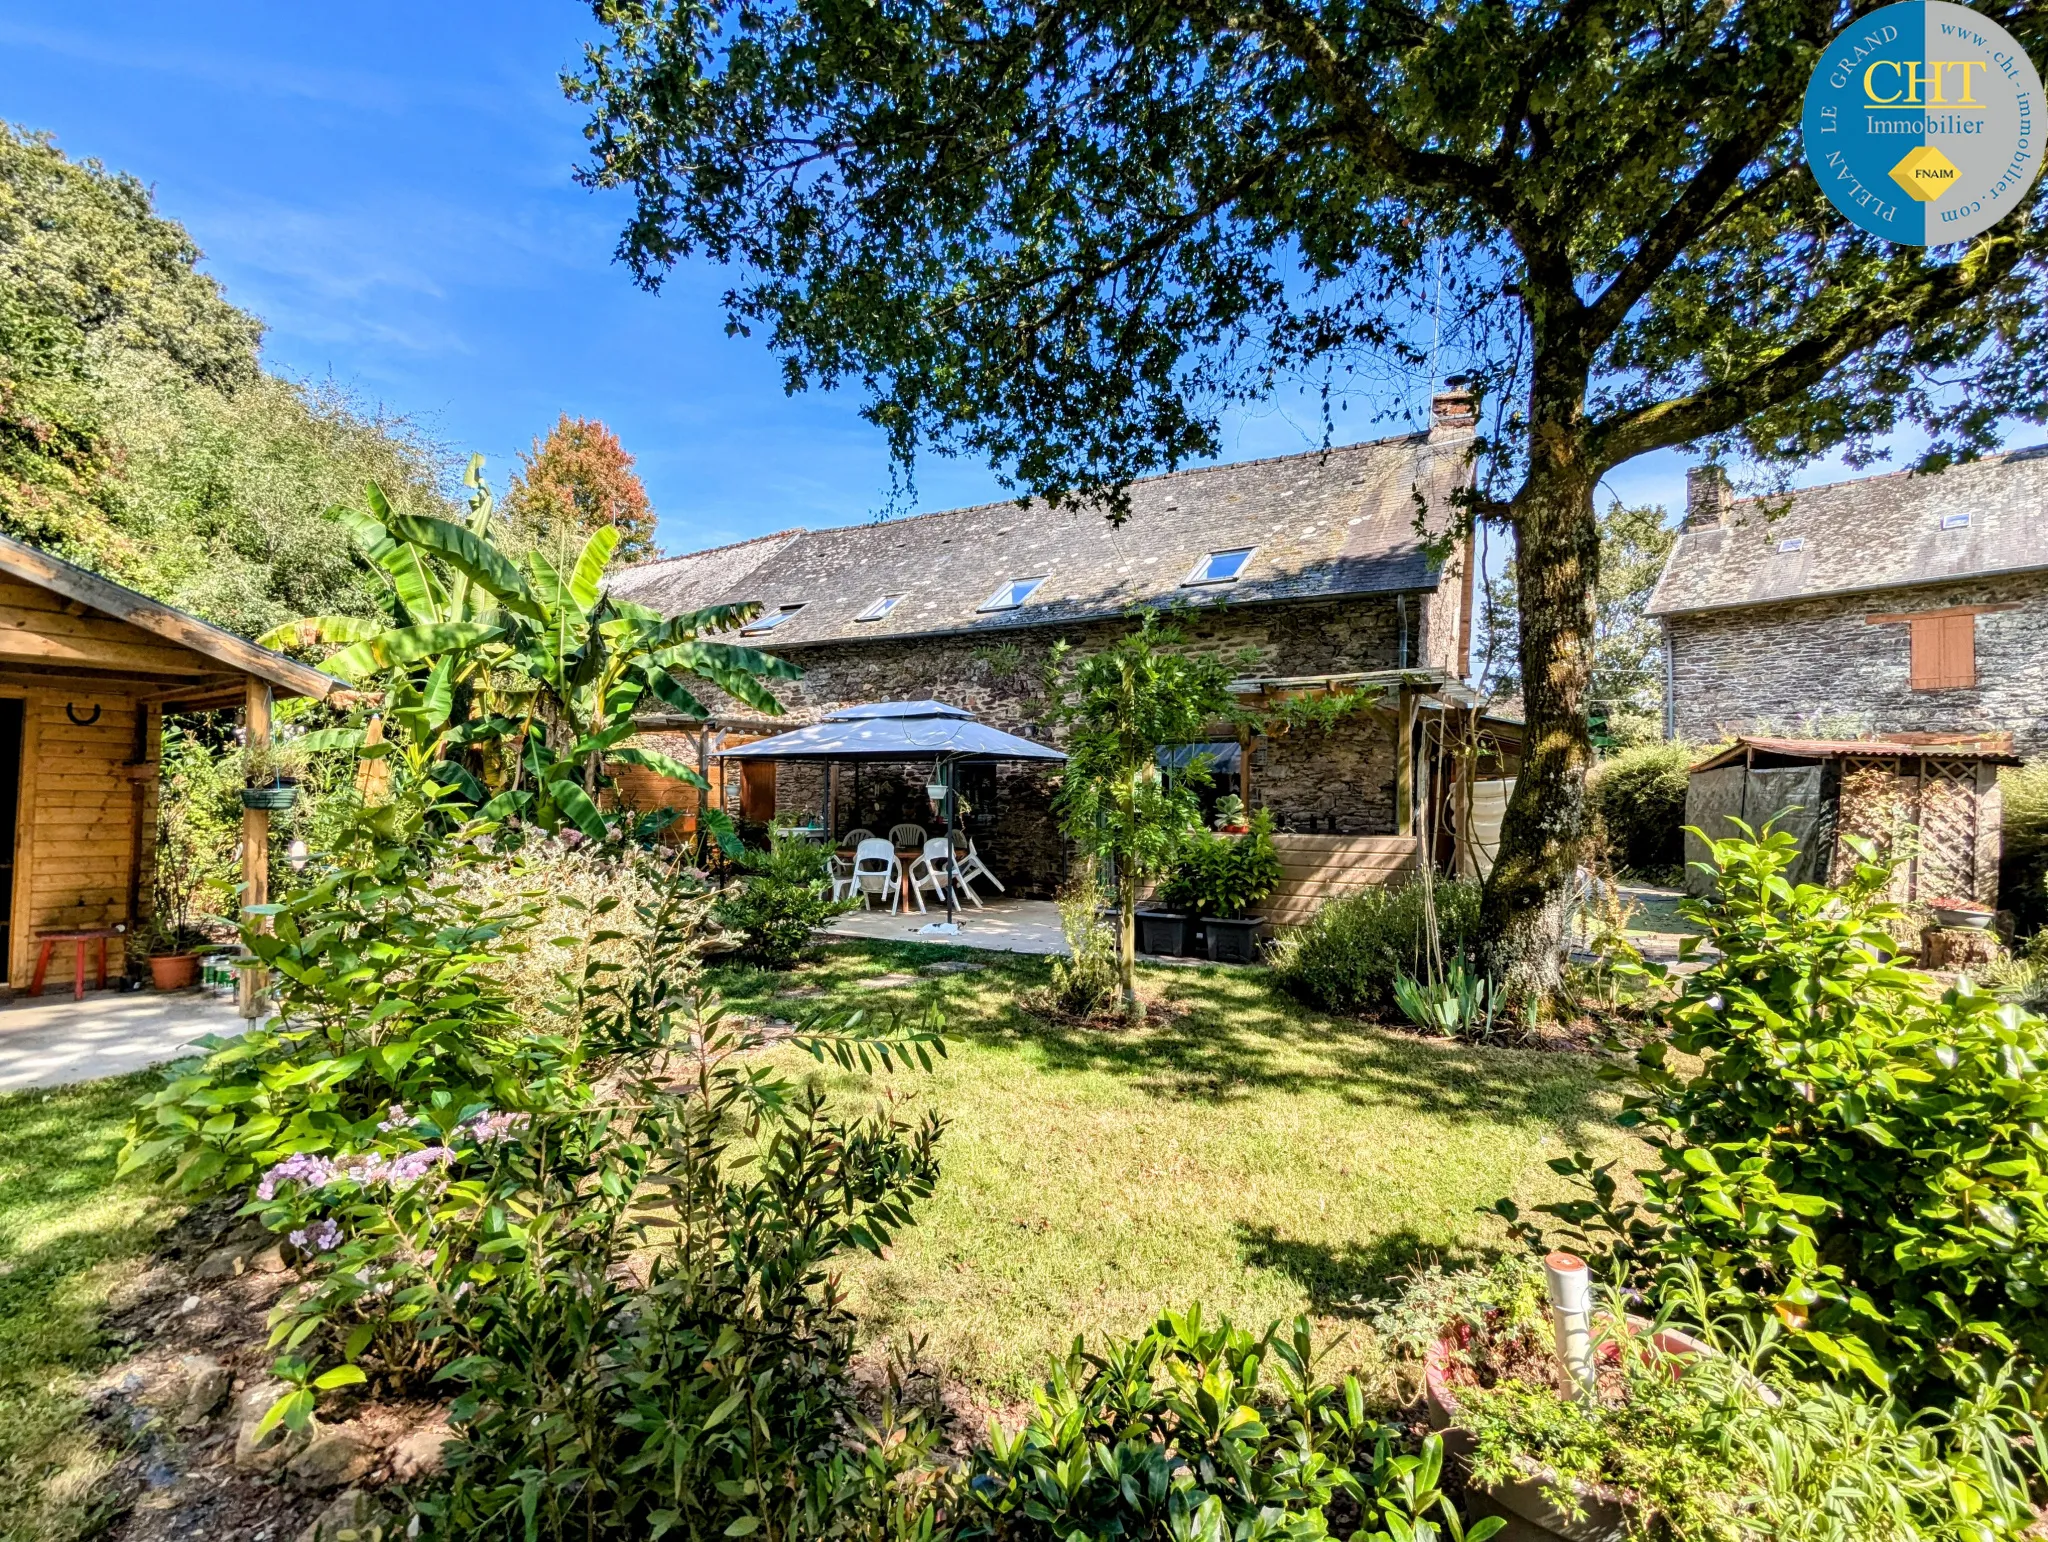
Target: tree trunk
[1127,944]
[1543,836]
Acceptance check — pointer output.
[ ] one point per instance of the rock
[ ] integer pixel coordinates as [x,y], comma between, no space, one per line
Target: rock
[278,1444]
[885,982]
[952,966]
[337,1454]
[228,1263]
[421,1454]
[349,1519]
[207,1384]
[188,1306]
[269,1261]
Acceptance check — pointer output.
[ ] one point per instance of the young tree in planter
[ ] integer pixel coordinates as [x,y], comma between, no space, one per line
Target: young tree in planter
[1121,705]
[1066,236]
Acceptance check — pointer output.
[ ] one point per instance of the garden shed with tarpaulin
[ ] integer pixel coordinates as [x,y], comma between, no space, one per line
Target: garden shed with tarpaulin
[1930,802]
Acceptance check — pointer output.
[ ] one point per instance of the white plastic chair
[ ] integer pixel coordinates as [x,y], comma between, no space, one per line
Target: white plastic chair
[929,871]
[905,836]
[844,884]
[971,866]
[853,838]
[875,871]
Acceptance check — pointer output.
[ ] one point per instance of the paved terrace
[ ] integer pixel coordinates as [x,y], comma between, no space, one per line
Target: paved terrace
[51,1040]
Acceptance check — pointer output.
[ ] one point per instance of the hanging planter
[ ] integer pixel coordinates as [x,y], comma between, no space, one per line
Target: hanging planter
[276,798]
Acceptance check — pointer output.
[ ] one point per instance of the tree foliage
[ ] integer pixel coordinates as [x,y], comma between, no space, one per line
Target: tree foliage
[576,482]
[138,432]
[1122,704]
[1066,236]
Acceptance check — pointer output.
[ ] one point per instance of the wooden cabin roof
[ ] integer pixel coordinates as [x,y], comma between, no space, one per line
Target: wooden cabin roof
[60,622]
[1994,748]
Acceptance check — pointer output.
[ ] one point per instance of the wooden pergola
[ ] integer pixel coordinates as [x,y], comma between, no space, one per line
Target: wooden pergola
[87,670]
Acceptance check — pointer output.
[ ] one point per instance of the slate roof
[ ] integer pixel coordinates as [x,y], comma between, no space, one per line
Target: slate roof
[1995,748]
[716,575]
[1323,524]
[1882,532]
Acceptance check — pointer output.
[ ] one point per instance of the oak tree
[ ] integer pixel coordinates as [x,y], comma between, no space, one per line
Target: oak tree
[1066,235]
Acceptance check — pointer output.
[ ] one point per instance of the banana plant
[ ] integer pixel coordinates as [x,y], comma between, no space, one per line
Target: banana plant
[516,687]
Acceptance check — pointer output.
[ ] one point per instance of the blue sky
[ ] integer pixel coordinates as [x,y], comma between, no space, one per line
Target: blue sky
[389,187]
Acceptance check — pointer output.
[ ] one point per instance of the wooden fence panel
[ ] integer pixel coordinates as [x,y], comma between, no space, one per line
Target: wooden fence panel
[1315,869]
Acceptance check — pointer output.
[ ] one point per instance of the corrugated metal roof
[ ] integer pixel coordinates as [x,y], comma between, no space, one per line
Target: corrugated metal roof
[1883,532]
[1996,748]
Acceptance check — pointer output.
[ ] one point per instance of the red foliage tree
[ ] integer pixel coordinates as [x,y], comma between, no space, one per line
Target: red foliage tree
[577,480]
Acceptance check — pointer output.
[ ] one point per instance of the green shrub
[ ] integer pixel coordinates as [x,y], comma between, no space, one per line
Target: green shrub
[1638,799]
[1842,1149]
[1708,1454]
[1223,875]
[784,898]
[1200,1432]
[1084,984]
[632,1298]
[381,968]
[1348,955]
[2023,873]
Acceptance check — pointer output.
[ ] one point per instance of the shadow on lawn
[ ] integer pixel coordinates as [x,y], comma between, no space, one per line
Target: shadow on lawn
[1350,1279]
[1215,1035]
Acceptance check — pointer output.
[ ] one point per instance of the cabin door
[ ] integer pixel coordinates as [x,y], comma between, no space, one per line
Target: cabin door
[10,818]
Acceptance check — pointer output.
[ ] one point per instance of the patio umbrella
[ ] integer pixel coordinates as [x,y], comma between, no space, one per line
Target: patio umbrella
[896,730]
[900,730]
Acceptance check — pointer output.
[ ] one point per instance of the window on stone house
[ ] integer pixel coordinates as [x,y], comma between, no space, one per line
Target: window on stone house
[1220,567]
[880,608]
[769,621]
[1013,593]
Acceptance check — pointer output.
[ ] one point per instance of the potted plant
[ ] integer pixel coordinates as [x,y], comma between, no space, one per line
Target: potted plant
[1230,818]
[271,778]
[1220,878]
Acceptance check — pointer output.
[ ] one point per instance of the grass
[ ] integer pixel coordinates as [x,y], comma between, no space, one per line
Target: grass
[68,1235]
[1242,1151]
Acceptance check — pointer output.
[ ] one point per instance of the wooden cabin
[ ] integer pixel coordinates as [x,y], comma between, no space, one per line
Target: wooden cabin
[87,670]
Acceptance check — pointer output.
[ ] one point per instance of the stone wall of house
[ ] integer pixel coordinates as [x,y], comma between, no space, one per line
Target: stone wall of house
[1818,667]
[1341,780]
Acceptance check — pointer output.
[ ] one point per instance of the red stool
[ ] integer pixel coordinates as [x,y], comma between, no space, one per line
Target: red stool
[80,940]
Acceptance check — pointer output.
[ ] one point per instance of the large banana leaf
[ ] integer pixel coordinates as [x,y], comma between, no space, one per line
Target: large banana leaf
[419,591]
[587,577]
[658,763]
[752,660]
[330,739]
[598,743]
[545,582]
[664,688]
[575,802]
[722,829]
[407,644]
[312,631]
[738,683]
[462,550]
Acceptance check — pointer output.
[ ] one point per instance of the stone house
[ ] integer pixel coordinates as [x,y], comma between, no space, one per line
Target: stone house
[1306,571]
[1889,605]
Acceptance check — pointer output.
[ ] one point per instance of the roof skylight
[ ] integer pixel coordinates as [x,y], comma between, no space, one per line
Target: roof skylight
[1220,567]
[880,608]
[1012,593]
[769,621]
[1955,521]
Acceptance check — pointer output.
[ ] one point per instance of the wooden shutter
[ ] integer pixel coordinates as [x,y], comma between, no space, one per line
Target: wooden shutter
[1944,652]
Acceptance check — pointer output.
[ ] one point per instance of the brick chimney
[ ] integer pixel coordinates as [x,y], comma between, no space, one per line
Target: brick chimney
[1708,498]
[1452,411]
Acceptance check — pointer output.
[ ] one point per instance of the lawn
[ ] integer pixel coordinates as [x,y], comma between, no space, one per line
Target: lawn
[1242,1151]
[68,1235]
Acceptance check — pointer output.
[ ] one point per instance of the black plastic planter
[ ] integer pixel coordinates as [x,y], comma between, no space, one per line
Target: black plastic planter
[1162,932]
[1233,942]
[275,798]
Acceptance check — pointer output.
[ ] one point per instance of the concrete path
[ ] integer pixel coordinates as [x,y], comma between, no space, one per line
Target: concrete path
[1007,926]
[52,1040]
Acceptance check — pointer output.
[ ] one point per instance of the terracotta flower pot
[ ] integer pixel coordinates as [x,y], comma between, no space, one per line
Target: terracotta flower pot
[174,971]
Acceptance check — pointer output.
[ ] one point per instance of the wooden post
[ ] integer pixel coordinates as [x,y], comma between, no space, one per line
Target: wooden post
[1244,772]
[1404,763]
[256,821]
